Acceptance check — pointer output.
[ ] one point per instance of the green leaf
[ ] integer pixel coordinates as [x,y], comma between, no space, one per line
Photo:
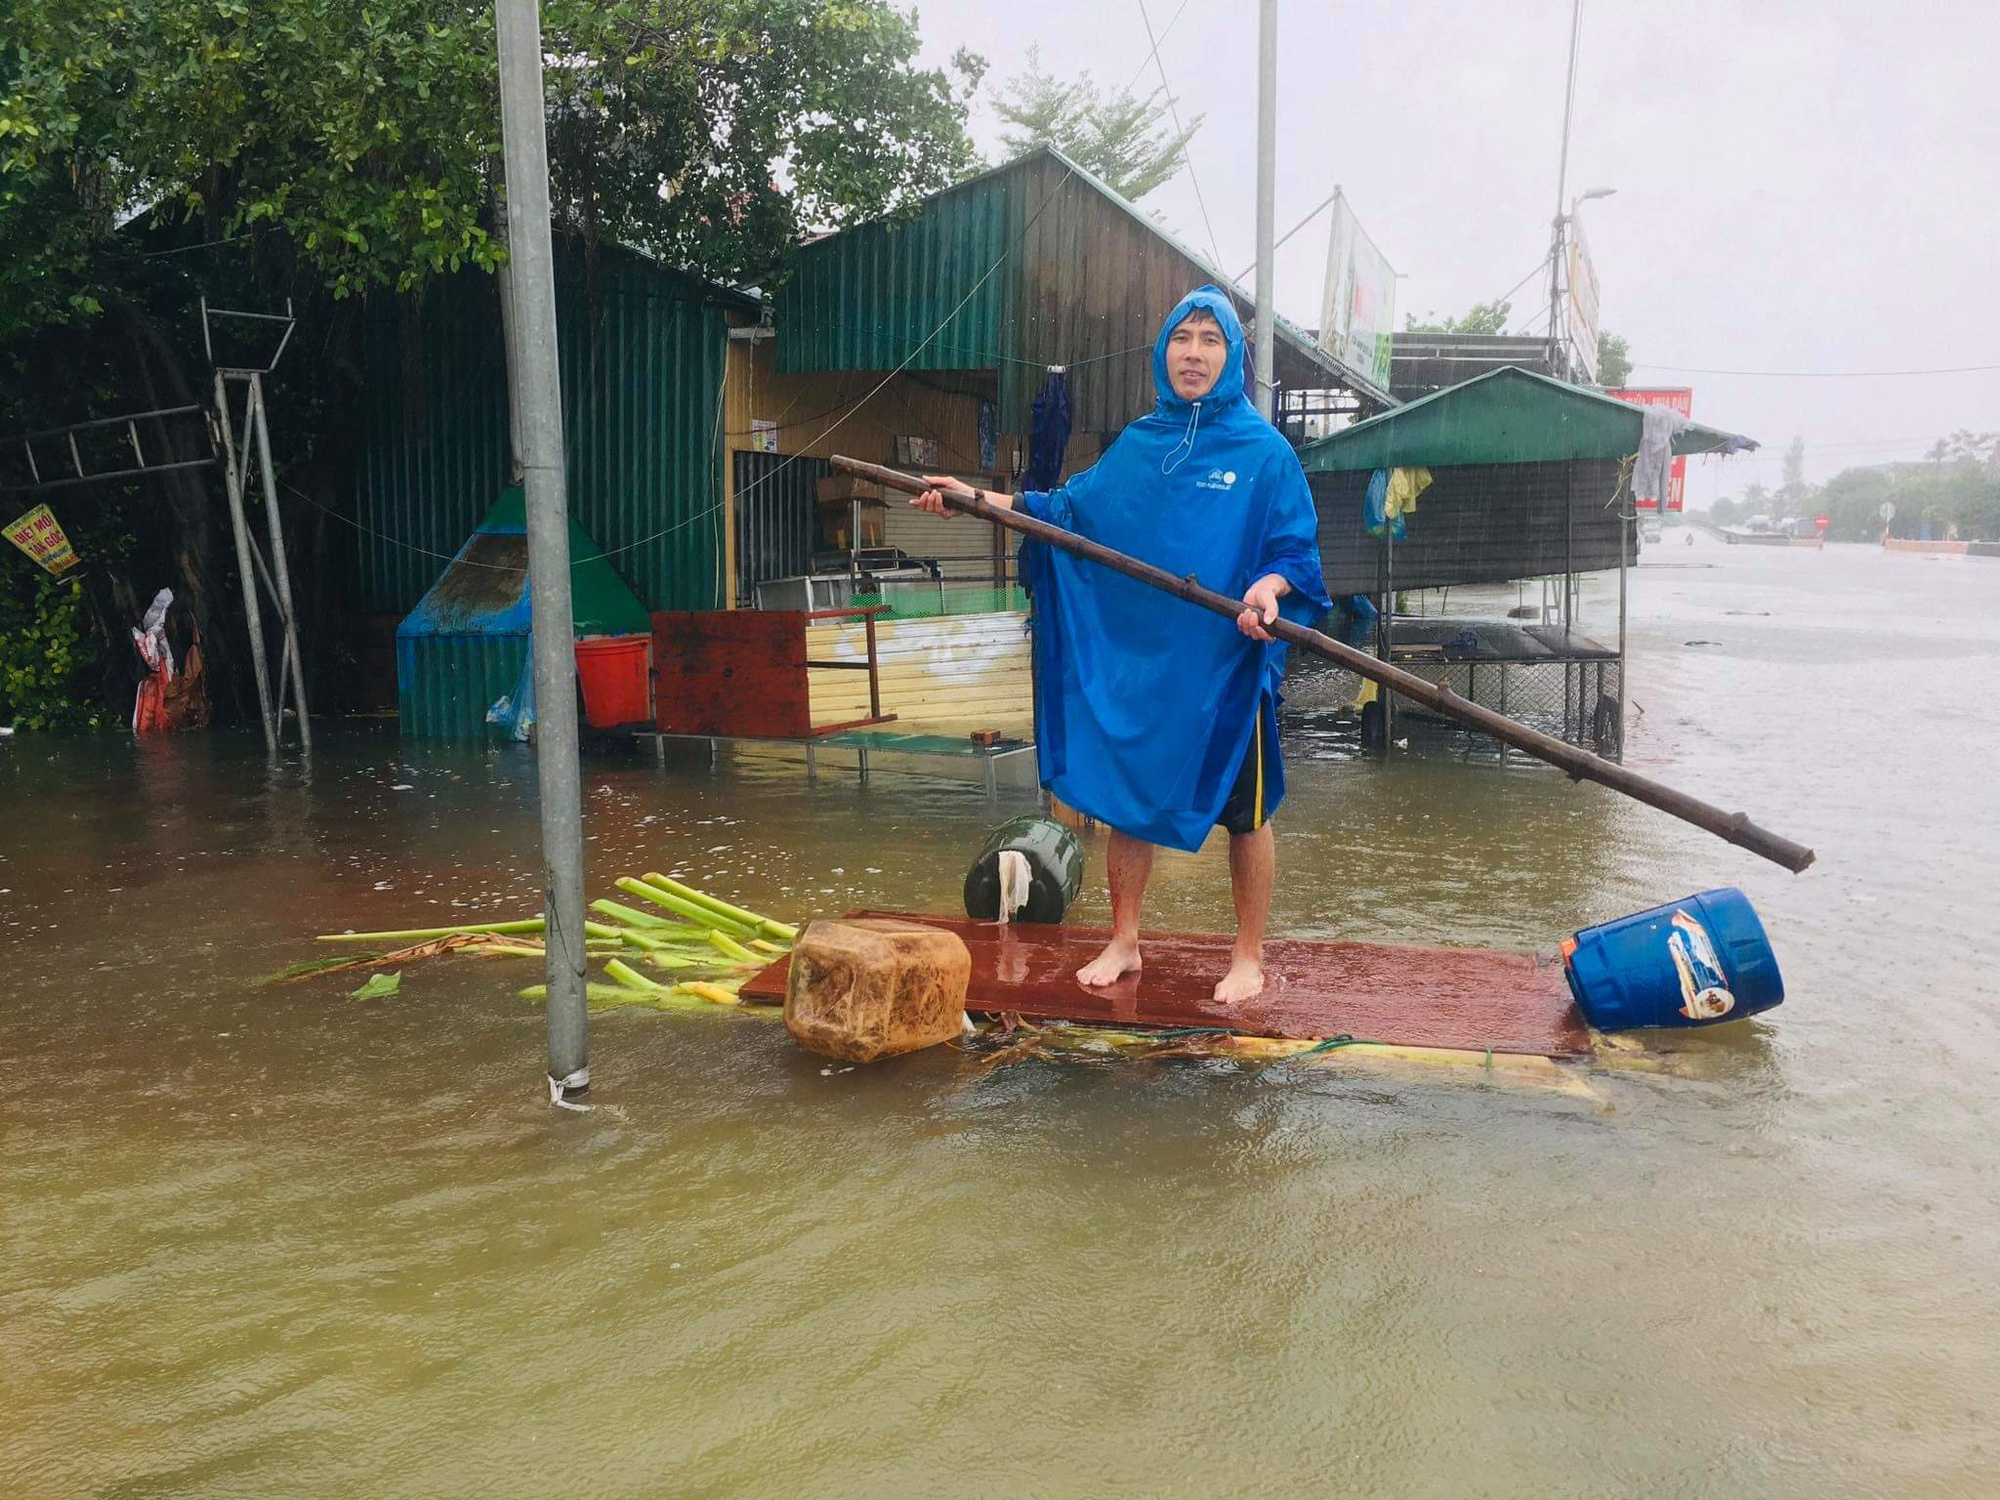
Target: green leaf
[378,986]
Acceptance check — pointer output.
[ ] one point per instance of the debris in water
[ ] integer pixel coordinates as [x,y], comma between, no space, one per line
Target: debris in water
[711,945]
[378,987]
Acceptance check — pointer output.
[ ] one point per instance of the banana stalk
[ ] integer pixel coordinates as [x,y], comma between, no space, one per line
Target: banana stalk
[631,978]
[644,921]
[735,914]
[612,996]
[694,911]
[714,994]
[425,934]
[730,948]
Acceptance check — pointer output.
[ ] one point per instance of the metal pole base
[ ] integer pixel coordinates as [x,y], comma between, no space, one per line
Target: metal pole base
[563,1090]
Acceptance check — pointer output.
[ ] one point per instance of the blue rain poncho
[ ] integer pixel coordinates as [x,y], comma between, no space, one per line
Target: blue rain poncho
[1144,703]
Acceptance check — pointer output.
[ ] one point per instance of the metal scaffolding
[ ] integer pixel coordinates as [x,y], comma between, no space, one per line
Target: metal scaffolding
[274,573]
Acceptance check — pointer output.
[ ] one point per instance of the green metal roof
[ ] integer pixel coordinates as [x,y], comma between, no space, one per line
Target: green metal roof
[1506,416]
[1015,268]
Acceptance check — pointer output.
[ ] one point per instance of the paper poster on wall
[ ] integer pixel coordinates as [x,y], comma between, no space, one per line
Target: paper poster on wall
[763,436]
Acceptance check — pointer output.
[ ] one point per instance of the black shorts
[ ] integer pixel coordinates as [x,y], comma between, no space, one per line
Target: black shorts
[1245,811]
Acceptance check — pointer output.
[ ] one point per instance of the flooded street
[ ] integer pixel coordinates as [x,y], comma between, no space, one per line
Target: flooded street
[272,1240]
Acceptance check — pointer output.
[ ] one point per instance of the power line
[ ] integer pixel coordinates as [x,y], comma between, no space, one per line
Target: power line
[1533,271]
[1300,225]
[1156,47]
[1174,114]
[1648,364]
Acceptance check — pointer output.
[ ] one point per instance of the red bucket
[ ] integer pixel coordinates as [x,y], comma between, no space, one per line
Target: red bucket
[615,676]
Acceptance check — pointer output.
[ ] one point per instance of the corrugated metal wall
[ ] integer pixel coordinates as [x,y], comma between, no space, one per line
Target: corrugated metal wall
[866,298]
[774,517]
[1475,524]
[642,369]
[446,683]
[1087,288]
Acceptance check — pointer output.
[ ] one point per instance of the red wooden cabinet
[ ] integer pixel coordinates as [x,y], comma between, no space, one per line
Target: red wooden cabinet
[744,673]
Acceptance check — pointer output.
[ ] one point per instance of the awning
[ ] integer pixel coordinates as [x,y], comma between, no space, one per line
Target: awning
[1507,416]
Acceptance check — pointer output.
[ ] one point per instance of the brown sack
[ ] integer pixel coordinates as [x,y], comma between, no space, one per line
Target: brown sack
[875,987]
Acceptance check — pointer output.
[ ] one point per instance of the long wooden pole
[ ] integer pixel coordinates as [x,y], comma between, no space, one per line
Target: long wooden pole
[1579,763]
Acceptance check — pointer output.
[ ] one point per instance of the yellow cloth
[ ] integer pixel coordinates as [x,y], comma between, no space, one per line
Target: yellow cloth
[1404,487]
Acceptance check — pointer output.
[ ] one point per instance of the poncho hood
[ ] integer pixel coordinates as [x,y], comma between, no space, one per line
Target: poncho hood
[1232,383]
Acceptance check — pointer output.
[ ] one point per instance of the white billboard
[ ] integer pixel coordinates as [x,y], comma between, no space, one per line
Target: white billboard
[1357,320]
[1582,320]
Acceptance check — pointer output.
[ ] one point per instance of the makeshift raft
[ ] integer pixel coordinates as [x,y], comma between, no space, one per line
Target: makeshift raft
[1458,999]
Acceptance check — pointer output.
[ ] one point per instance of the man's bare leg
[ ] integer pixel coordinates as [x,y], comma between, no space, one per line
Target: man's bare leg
[1129,862]
[1253,872]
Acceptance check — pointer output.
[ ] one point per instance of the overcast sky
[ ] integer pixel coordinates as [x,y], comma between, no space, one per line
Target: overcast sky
[1801,186]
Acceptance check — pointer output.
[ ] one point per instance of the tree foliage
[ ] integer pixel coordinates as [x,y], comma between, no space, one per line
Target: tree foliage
[1953,491]
[708,131]
[1483,318]
[1126,139]
[330,150]
[1614,360]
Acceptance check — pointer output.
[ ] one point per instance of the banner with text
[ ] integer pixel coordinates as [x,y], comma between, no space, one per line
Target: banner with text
[38,534]
[1357,319]
[1682,401]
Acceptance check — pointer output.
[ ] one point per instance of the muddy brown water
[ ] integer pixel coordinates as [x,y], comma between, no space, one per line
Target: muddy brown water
[276,1241]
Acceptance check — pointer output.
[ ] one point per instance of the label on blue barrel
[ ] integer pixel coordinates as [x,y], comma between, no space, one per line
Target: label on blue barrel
[1704,989]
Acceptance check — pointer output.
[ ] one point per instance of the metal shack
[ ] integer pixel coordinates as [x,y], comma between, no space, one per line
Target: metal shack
[924,342]
[643,351]
[1528,479]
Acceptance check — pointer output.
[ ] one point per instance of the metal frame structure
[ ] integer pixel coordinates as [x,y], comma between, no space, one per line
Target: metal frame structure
[66,437]
[274,573]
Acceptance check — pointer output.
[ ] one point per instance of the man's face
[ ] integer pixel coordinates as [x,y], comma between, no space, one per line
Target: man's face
[1196,351]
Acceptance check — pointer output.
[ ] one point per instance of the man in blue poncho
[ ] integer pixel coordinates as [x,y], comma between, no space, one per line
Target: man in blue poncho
[1154,716]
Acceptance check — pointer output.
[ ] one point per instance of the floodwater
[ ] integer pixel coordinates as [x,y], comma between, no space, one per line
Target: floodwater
[276,1241]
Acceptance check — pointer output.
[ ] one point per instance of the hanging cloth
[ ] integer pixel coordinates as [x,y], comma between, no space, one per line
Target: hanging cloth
[1392,495]
[1659,426]
[1049,438]
[149,703]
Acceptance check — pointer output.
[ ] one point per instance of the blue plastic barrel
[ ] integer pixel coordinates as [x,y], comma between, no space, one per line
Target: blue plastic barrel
[1694,962]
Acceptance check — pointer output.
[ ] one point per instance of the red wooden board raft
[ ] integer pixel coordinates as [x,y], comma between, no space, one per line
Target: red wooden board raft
[1413,997]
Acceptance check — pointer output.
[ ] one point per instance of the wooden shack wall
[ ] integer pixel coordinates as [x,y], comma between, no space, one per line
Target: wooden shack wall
[1096,282]
[1475,524]
[957,672]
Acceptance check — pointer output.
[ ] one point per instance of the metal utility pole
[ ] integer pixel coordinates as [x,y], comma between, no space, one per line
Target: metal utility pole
[539,403]
[505,285]
[1267,199]
[1562,184]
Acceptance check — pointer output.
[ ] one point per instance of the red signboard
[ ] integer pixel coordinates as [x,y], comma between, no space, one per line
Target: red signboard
[1682,401]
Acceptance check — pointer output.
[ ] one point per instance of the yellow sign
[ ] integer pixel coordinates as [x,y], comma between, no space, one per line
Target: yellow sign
[38,535]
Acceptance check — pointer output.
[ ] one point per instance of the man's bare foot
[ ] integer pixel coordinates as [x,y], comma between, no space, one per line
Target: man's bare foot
[1118,959]
[1244,981]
